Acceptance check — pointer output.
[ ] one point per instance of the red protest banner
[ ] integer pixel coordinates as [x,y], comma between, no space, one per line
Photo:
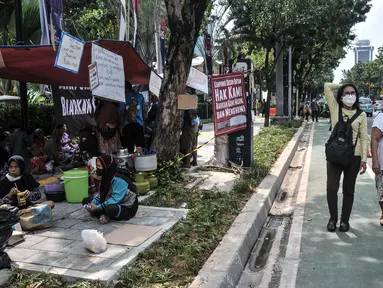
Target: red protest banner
[229,103]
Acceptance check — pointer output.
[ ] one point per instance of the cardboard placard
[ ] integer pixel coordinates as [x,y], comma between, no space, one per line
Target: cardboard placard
[186,102]
[93,76]
[111,75]
[70,53]
[197,80]
[155,83]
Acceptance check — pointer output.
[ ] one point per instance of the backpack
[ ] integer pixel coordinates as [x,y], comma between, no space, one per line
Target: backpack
[340,148]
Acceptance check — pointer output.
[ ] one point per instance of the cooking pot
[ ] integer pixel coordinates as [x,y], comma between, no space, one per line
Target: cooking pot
[123,159]
[146,163]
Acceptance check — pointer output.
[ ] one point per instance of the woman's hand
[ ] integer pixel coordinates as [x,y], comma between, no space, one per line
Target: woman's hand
[27,194]
[363,167]
[92,208]
[376,167]
[139,150]
[12,192]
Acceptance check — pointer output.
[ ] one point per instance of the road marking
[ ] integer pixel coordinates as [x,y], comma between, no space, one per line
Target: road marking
[292,258]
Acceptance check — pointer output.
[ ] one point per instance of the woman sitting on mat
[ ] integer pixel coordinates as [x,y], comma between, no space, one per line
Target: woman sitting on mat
[117,198]
[17,182]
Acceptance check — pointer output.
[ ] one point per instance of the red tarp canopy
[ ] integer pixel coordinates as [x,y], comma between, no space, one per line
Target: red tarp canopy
[35,64]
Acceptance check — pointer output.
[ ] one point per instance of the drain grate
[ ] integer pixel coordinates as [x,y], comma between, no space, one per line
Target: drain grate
[275,222]
[267,243]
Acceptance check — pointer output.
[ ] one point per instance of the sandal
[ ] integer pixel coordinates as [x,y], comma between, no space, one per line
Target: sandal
[104,219]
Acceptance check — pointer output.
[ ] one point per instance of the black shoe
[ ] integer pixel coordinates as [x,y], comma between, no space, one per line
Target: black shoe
[331,226]
[344,226]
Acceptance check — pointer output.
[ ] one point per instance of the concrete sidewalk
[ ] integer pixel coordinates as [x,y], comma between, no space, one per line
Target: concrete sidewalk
[353,259]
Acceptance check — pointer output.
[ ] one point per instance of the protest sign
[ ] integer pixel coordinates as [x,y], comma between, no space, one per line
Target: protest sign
[93,76]
[69,54]
[229,103]
[197,80]
[111,76]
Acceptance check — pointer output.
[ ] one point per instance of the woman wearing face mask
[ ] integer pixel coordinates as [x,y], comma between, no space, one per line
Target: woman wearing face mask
[117,198]
[18,180]
[348,99]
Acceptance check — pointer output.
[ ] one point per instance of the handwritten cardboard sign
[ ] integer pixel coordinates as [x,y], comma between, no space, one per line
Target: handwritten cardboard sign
[186,102]
[155,83]
[197,80]
[111,76]
[70,52]
[93,76]
[229,103]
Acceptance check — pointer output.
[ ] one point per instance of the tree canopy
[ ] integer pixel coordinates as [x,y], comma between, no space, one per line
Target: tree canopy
[317,31]
[365,74]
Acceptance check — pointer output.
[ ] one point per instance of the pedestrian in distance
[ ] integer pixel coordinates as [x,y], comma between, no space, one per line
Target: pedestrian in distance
[377,158]
[306,111]
[314,111]
[346,150]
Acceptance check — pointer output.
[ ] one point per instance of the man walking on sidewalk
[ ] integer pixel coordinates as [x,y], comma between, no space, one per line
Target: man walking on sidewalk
[314,110]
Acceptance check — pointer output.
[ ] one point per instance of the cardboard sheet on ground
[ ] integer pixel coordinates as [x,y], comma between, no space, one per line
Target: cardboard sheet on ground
[131,235]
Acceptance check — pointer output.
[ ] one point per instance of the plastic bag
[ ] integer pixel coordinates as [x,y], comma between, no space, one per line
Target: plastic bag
[94,241]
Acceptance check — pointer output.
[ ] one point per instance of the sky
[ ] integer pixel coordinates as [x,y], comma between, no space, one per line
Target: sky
[368,30]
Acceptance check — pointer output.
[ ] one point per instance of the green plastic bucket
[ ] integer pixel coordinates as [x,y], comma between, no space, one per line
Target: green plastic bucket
[76,185]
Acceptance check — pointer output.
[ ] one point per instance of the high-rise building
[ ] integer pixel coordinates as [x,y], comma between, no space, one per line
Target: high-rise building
[364,52]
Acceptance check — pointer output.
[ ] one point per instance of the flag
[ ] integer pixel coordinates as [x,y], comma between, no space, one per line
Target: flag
[135,10]
[208,54]
[52,22]
[123,20]
[162,41]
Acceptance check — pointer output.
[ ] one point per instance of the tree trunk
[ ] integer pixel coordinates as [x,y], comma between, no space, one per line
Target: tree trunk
[185,18]
[279,79]
[269,82]
[221,150]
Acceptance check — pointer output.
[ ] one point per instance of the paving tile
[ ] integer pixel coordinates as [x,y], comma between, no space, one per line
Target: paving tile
[19,254]
[68,207]
[57,232]
[162,213]
[57,217]
[30,240]
[45,258]
[77,247]
[75,236]
[83,262]
[66,223]
[52,244]
[79,213]
[110,227]
[160,222]
[143,211]
[87,225]
[145,221]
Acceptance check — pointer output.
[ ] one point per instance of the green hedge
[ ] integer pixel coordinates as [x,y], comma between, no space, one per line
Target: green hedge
[40,116]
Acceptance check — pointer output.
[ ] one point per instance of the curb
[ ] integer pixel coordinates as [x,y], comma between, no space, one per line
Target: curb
[225,265]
